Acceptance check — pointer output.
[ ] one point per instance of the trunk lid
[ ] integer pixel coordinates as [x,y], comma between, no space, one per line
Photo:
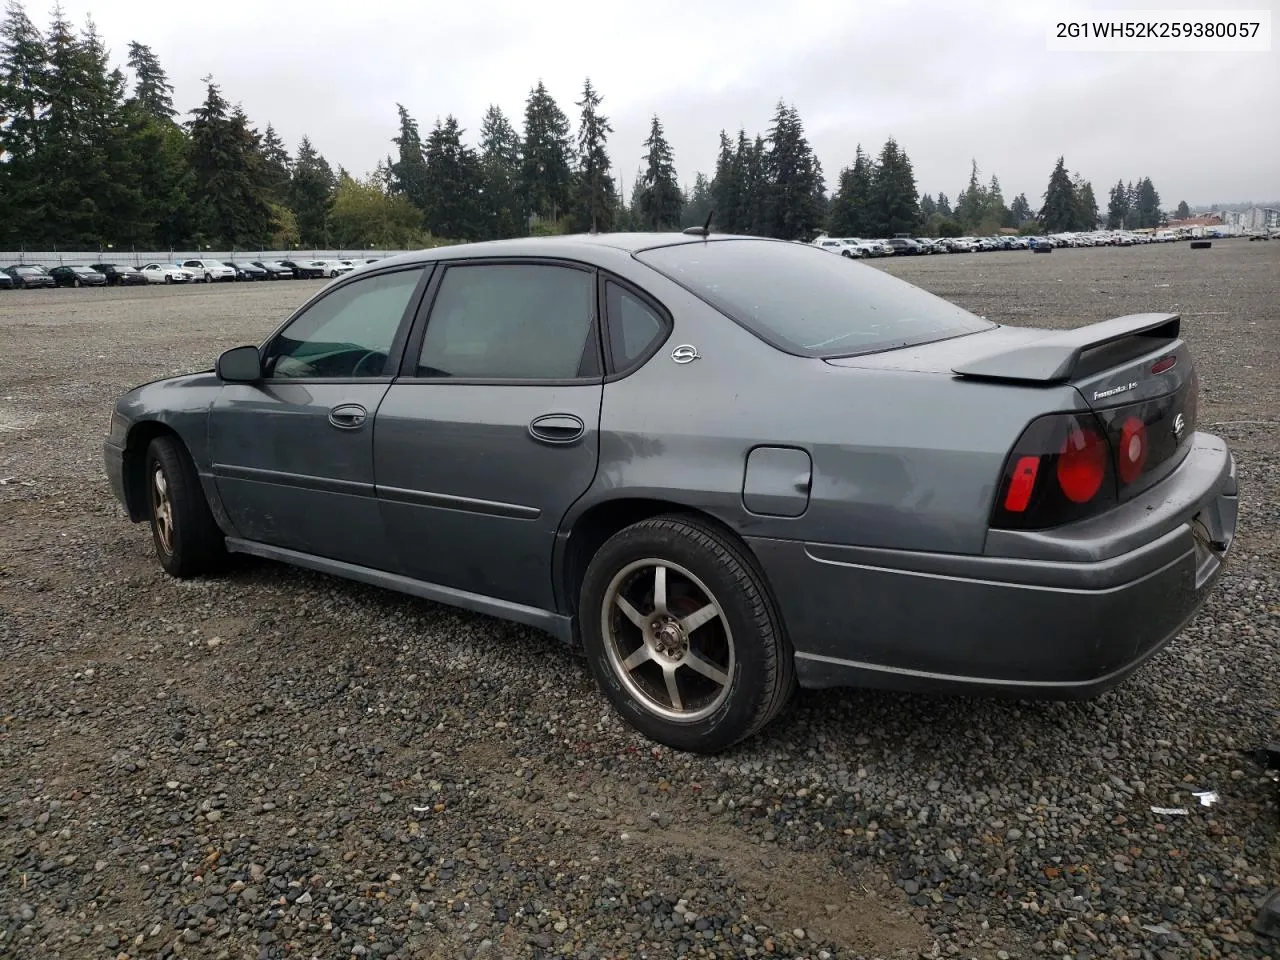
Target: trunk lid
[1133,372]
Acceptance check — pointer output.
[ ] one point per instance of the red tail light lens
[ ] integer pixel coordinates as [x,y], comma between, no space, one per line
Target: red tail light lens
[1082,464]
[1060,470]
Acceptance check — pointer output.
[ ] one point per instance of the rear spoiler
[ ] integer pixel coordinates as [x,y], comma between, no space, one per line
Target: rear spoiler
[1054,357]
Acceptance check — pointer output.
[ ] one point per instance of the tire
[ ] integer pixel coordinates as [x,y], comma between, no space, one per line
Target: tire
[741,637]
[168,278]
[846,254]
[187,539]
[75,282]
[208,278]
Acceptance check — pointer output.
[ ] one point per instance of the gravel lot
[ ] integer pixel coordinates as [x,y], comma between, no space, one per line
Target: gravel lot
[282,764]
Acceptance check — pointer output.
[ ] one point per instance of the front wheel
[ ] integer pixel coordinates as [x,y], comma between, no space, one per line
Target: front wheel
[682,636]
[75,282]
[168,278]
[187,539]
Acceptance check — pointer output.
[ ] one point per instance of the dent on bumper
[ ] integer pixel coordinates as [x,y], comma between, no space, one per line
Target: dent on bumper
[1027,627]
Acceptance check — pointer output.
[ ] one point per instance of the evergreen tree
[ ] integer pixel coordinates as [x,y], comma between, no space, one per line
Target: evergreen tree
[311,196]
[545,165]
[1183,211]
[276,165]
[1148,204]
[928,207]
[698,202]
[996,214]
[233,209]
[151,90]
[594,199]
[1020,210]
[756,188]
[409,171]
[726,187]
[851,208]
[971,207]
[1086,204]
[500,172]
[794,178]
[944,206]
[454,181]
[1060,211]
[660,198]
[1118,208]
[895,206]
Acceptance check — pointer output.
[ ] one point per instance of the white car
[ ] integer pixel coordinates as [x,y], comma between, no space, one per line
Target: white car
[165,273]
[208,270]
[832,245]
[331,268]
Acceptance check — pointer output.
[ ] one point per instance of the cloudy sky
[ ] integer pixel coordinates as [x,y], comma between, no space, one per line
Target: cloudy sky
[950,81]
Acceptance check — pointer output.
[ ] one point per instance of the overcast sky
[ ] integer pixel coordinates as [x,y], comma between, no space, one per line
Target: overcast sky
[948,80]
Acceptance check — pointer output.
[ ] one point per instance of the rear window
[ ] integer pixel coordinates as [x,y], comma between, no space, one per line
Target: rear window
[807,302]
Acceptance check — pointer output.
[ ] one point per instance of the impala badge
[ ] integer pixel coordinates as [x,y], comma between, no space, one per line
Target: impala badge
[1179,424]
[685,353]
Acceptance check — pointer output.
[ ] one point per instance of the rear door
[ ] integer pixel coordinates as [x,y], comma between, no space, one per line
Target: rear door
[292,454]
[491,431]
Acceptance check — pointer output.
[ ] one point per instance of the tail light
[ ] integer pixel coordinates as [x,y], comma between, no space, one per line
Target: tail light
[1060,470]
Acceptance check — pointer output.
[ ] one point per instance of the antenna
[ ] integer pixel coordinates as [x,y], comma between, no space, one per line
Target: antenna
[703,230]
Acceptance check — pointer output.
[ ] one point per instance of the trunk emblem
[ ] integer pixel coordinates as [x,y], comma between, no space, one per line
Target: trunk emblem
[685,353]
[1179,424]
[1102,394]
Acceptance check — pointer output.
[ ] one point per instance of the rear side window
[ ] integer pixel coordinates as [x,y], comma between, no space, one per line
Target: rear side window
[633,326]
[511,321]
[805,301]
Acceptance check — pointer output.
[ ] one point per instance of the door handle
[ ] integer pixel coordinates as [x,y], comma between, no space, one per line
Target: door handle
[348,416]
[557,428]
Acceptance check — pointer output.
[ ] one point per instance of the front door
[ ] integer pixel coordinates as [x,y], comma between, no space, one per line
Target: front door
[493,433]
[292,455]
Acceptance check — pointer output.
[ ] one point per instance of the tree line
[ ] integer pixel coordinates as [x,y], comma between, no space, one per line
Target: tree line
[89,159]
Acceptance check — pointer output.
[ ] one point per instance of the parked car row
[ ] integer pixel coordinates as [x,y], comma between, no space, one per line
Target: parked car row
[856,248]
[198,270]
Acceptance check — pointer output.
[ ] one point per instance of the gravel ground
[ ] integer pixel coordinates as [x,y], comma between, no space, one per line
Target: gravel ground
[282,764]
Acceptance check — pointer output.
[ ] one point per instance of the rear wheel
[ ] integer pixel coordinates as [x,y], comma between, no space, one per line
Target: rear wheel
[187,539]
[75,282]
[208,278]
[682,636]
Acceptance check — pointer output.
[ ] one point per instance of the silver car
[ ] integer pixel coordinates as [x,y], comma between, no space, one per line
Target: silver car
[721,467]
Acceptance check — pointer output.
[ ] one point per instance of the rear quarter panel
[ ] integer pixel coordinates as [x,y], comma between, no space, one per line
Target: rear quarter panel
[901,459]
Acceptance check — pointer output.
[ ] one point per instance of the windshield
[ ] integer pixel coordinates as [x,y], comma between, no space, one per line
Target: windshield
[807,303]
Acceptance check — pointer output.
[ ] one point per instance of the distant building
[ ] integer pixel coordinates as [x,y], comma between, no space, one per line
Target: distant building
[1255,218]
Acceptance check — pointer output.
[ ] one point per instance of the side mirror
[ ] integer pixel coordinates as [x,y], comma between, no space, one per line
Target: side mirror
[240,365]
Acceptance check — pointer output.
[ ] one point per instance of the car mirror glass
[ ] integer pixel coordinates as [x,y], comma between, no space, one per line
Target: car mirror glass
[240,365]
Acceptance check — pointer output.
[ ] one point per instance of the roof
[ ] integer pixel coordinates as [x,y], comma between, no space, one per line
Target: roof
[576,245]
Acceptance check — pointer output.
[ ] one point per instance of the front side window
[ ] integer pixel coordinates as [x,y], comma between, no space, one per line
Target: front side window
[510,321]
[347,333]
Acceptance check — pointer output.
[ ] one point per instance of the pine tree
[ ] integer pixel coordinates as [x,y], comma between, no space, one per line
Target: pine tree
[661,199]
[725,187]
[594,199]
[1020,210]
[233,207]
[944,206]
[311,196]
[409,171]
[454,181]
[1118,208]
[1086,204]
[1183,211]
[971,207]
[996,213]
[698,202]
[1148,204]
[850,210]
[545,165]
[503,212]
[1060,211]
[795,178]
[276,165]
[152,89]
[895,204]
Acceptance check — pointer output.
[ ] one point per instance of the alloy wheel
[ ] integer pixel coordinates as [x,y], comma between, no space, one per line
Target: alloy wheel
[667,639]
[162,508]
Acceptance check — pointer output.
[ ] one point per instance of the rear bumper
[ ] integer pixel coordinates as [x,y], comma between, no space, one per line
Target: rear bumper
[1061,616]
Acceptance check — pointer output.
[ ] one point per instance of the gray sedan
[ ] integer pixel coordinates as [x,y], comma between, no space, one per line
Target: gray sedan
[722,467]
